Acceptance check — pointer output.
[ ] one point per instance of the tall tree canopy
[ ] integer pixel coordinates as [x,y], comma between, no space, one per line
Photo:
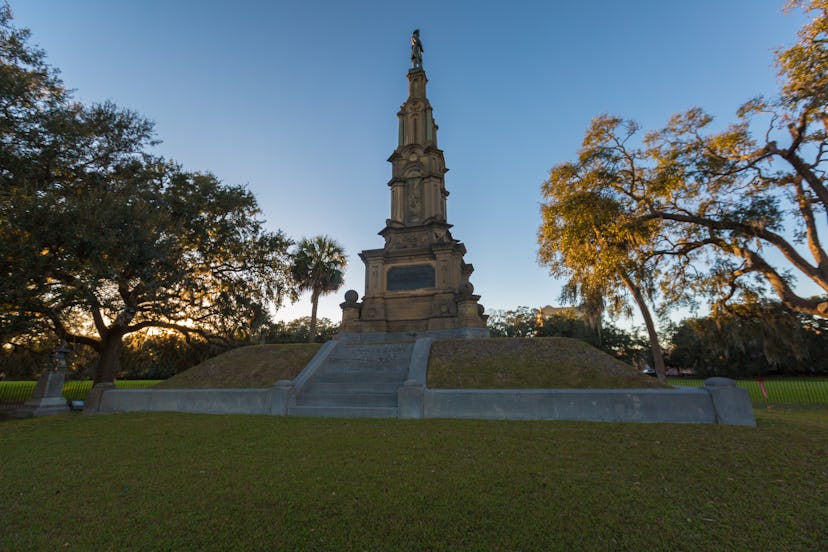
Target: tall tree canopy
[588,235]
[688,209]
[319,267]
[99,238]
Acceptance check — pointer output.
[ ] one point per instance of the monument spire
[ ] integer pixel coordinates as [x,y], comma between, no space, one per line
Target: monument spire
[418,192]
[418,282]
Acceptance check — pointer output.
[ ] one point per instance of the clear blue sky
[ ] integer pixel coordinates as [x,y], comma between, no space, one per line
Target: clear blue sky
[298,100]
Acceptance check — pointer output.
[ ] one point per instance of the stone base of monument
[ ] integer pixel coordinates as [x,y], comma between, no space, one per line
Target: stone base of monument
[389,337]
[387,379]
[47,398]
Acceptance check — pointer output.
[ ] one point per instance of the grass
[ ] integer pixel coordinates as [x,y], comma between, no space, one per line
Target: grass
[520,363]
[454,363]
[778,390]
[245,367]
[181,481]
[254,366]
[18,391]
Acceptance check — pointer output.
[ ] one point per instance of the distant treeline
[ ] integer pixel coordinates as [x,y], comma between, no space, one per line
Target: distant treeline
[149,355]
[745,340]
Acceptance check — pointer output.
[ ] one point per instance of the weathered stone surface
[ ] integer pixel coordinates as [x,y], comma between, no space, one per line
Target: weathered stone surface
[355,380]
[94,397]
[351,296]
[47,398]
[597,405]
[283,393]
[732,404]
[410,402]
[205,401]
[378,337]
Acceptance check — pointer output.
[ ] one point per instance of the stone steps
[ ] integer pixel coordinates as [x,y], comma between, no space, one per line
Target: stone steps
[349,386]
[348,399]
[352,349]
[343,412]
[360,376]
[357,380]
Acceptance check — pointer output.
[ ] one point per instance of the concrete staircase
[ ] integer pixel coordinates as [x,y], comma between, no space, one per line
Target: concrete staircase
[357,380]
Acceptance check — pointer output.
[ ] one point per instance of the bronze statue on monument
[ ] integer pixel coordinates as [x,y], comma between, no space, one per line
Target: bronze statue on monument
[416,50]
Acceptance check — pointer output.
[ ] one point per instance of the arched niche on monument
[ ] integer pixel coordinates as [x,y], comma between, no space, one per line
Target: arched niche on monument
[414,195]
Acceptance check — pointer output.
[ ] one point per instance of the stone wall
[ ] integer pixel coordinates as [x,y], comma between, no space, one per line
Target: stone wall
[719,401]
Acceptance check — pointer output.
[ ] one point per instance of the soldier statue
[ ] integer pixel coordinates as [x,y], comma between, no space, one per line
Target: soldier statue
[416,50]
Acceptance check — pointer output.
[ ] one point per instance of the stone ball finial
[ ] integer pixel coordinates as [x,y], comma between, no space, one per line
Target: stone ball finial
[351,296]
[467,289]
[480,310]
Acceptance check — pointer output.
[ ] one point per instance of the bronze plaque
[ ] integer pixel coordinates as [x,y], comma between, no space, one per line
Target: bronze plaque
[410,277]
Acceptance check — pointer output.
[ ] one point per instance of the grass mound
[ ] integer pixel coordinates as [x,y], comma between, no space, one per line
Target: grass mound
[498,363]
[253,366]
[520,363]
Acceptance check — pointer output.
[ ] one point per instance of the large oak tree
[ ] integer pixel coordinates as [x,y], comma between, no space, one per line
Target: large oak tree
[588,235]
[688,209]
[99,239]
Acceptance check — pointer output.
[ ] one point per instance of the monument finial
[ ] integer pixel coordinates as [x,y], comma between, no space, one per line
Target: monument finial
[416,50]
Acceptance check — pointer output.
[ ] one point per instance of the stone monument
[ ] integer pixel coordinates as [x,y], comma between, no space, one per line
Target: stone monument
[48,396]
[418,282]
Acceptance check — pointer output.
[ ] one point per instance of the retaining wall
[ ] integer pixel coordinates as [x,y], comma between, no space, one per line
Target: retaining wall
[719,401]
[596,405]
[208,401]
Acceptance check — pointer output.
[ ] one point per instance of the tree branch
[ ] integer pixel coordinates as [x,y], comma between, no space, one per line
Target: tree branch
[64,334]
[797,132]
[100,325]
[185,330]
[803,170]
[786,294]
[787,250]
[810,225]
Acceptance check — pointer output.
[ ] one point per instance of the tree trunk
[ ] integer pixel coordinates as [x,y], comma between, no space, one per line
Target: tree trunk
[658,357]
[110,352]
[314,303]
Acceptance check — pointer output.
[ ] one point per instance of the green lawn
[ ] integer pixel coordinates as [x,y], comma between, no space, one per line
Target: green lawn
[16,391]
[778,390]
[185,482]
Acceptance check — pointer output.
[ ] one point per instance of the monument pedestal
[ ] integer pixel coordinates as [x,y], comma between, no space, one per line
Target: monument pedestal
[47,398]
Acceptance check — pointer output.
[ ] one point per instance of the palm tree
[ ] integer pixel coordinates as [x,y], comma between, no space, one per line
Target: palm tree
[318,266]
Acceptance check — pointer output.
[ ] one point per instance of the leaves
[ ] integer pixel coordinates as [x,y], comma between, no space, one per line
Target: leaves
[702,211]
[752,339]
[804,66]
[318,265]
[99,238]
[593,230]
